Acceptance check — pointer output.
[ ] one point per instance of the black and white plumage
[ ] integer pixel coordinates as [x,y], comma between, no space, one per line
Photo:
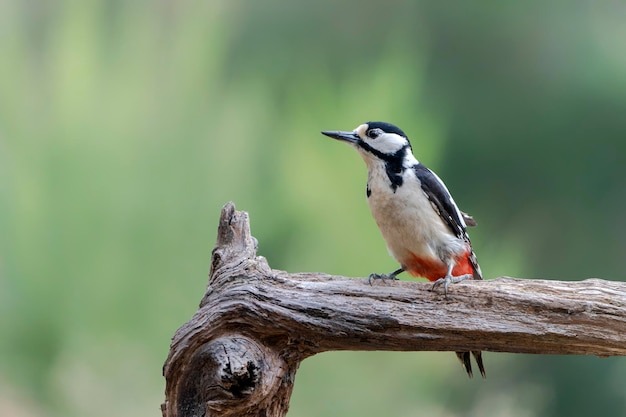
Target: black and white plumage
[423,227]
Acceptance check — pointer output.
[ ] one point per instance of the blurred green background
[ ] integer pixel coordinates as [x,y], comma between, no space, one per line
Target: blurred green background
[126,125]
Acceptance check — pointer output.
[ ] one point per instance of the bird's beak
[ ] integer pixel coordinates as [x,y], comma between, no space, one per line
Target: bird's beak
[349,137]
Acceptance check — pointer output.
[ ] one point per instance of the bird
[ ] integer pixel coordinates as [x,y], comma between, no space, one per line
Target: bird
[423,228]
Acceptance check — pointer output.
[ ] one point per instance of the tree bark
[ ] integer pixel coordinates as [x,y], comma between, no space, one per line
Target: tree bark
[239,353]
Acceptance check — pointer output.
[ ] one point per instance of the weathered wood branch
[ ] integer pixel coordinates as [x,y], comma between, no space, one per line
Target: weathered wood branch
[239,353]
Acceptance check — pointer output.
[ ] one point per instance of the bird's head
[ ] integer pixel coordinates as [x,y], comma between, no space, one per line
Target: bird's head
[375,141]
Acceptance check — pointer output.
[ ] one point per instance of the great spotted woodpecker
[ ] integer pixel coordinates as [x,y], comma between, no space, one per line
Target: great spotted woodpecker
[424,229]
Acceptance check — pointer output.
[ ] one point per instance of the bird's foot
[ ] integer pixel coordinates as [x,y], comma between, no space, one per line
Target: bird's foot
[447,280]
[382,277]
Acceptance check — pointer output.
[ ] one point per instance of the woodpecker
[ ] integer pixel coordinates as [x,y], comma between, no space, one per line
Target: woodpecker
[424,229]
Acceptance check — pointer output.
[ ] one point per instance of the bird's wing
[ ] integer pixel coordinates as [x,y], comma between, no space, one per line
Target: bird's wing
[447,209]
[441,200]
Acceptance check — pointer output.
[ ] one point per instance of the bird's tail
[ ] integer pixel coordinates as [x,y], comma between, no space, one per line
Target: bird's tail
[464,357]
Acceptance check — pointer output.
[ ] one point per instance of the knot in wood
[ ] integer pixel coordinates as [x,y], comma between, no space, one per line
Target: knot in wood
[225,377]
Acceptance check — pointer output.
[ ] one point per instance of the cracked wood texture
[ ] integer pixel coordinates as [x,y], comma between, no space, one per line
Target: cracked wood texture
[239,353]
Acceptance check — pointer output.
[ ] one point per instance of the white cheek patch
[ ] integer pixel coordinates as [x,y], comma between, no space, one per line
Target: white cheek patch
[387,143]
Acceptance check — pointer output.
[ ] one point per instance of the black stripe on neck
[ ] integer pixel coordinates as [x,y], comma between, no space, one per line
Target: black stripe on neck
[393,163]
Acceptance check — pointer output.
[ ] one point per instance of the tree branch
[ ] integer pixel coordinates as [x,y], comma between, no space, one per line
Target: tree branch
[239,353]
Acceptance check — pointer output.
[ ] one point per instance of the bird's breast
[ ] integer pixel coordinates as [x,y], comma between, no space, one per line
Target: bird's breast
[408,222]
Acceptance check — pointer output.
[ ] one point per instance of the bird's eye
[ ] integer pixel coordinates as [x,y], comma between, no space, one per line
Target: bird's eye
[373,133]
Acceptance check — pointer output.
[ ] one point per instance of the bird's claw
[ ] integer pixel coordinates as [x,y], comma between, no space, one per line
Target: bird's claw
[382,277]
[447,280]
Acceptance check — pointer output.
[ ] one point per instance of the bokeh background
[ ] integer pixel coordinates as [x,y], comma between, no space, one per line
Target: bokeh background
[126,125]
